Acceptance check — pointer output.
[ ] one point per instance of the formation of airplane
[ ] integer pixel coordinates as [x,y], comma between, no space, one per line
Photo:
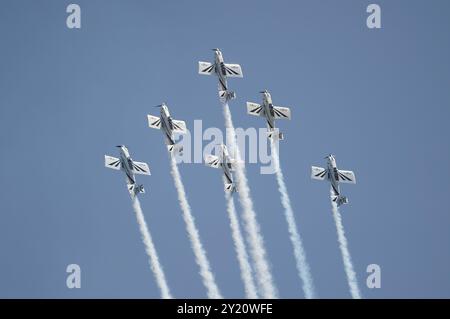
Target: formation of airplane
[226,163]
[130,167]
[222,159]
[223,71]
[168,126]
[335,176]
[270,113]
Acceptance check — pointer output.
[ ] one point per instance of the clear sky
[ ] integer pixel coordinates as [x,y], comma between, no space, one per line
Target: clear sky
[377,99]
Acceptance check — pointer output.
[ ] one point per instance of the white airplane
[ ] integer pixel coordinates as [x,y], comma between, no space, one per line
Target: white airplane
[335,176]
[224,161]
[126,164]
[168,126]
[270,113]
[223,71]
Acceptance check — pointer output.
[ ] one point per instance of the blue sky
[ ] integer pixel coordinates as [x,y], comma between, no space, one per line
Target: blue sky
[377,99]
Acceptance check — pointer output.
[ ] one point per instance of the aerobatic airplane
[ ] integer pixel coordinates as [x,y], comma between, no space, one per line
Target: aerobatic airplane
[270,113]
[224,161]
[335,176]
[168,126]
[223,71]
[126,164]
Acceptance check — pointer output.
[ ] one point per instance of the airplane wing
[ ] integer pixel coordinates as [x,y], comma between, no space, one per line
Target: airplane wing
[281,112]
[154,121]
[318,173]
[212,161]
[233,70]
[254,109]
[141,168]
[346,177]
[179,126]
[112,162]
[205,68]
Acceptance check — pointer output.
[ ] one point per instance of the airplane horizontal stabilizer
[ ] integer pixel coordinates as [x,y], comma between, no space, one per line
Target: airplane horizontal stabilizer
[136,189]
[339,200]
[227,95]
[275,135]
[175,148]
[229,187]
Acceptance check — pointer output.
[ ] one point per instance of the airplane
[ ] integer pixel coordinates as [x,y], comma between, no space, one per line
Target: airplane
[225,162]
[126,164]
[223,71]
[270,112]
[335,176]
[168,126]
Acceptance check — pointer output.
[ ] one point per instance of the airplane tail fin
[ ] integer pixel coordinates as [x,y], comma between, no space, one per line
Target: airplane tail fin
[227,95]
[175,148]
[136,189]
[230,187]
[339,200]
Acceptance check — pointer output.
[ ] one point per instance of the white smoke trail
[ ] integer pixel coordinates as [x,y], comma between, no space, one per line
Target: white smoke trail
[299,252]
[151,250]
[200,254]
[241,251]
[346,258]
[254,237]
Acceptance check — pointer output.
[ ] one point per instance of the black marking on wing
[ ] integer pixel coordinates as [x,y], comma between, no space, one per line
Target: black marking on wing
[208,69]
[256,109]
[157,122]
[214,162]
[279,113]
[321,174]
[138,168]
[115,163]
[231,71]
[345,178]
[178,127]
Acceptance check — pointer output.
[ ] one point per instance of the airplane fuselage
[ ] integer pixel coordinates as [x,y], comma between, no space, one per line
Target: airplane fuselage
[268,110]
[220,70]
[167,125]
[224,157]
[333,175]
[127,165]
